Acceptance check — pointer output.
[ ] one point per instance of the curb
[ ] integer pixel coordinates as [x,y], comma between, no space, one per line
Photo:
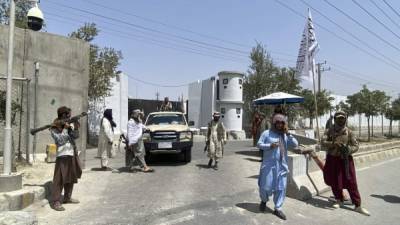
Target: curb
[303,187]
[20,199]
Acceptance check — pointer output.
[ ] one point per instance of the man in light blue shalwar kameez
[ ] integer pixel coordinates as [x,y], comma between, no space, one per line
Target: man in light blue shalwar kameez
[274,169]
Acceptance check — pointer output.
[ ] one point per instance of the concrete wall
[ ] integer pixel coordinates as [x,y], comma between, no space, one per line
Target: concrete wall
[63,76]
[352,120]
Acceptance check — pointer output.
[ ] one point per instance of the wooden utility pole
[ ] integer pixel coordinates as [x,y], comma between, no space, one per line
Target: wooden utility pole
[321,69]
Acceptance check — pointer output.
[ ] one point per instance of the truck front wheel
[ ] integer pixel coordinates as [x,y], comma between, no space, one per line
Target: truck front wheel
[187,153]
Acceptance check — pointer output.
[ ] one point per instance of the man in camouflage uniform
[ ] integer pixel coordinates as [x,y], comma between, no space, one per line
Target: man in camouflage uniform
[339,171]
[216,138]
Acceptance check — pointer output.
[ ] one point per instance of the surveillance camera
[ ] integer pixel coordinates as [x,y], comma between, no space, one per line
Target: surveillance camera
[35,18]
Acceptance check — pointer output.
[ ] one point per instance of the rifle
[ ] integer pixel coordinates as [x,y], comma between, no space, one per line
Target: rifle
[345,152]
[70,120]
[207,146]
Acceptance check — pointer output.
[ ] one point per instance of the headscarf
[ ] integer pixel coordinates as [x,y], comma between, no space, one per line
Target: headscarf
[108,115]
[337,126]
[275,119]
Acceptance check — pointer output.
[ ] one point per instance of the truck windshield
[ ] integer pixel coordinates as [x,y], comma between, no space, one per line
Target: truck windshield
[165,119]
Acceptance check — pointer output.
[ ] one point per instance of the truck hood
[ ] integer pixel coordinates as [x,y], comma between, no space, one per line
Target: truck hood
[178,128]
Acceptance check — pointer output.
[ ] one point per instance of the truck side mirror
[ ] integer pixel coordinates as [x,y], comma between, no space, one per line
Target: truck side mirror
[191,123]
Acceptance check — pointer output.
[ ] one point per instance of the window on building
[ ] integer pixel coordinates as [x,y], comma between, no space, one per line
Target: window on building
[223,110]
[225,81]
[238,110]
[240,81]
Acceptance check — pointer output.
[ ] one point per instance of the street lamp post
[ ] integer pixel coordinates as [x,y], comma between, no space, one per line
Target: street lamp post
[7,157]
[35,22]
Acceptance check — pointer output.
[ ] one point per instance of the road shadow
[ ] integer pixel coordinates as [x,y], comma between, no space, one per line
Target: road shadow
[202,166]
[249,153]
[165,160]
[252,207]
[320,203]
[99,169]
[253,159]
[388,198]
[254,176]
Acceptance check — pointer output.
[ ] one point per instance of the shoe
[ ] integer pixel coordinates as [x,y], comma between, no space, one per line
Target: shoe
[362,210]
[105,168]
[71,201]
[216,166]
[58,207]
[337,204]
[279,214]
[210,163]
[263,206]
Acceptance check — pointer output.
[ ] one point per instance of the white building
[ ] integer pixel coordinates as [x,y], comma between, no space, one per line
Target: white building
[223,93]
[117,101]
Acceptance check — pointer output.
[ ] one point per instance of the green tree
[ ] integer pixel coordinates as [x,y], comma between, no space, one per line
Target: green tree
[308,106]
[15,108]
[381,103]
[259,79]
[364,103]
[103,63]
[21,11]
[396,110]
[264,78]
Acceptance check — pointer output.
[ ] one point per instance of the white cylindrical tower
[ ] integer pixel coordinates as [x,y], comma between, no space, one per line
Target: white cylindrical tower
[230,99]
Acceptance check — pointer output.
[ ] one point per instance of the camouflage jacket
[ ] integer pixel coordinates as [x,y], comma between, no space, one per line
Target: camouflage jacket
[332,139]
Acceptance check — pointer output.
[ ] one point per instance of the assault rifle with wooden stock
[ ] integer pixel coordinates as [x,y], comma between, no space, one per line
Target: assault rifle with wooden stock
[70,120]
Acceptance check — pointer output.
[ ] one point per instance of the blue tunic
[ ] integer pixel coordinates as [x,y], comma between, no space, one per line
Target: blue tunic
[273,171]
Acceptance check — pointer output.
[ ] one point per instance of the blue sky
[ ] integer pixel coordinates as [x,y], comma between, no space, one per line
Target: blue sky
[161,40]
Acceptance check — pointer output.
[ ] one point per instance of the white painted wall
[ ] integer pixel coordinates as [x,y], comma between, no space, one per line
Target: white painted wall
[352,120]
[117,101]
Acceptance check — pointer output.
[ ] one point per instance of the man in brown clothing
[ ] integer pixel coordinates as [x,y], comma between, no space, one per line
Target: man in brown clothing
[67,169]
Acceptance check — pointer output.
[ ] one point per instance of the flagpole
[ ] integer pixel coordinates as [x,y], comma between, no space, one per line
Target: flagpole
[315,99]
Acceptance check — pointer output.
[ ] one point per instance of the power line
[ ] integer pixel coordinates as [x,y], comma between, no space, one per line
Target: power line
[155,84]
[362,75]
[353,35]
[363,26]
[179,28]
[152,35]
[384,13]
[150,29]
[335,35]
[393,9]
[376,19]
[156,42]
[218,53]
[165,24]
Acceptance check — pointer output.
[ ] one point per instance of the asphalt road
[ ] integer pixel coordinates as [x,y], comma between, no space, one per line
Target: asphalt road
[178,193]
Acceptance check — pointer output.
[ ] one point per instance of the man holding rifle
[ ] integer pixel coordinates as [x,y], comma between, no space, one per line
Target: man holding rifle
[67,169]
[339,171]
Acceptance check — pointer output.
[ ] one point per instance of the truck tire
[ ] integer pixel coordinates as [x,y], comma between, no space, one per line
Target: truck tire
[147,157]
[187,154]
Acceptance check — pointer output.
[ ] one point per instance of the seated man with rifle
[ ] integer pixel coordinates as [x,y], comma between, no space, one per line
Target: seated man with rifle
[339,171]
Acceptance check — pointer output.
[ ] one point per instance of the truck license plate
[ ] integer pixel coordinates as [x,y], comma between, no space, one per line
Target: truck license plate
[165,145]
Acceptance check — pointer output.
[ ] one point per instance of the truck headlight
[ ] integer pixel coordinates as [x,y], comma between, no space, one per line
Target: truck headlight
[185,136]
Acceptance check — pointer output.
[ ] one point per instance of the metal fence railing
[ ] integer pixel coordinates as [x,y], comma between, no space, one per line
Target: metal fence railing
[19,118]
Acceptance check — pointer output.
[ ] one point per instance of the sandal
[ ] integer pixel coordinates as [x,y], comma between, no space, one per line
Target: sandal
[149,170]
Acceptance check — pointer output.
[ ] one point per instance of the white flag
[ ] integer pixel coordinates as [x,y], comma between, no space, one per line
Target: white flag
[308,48]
